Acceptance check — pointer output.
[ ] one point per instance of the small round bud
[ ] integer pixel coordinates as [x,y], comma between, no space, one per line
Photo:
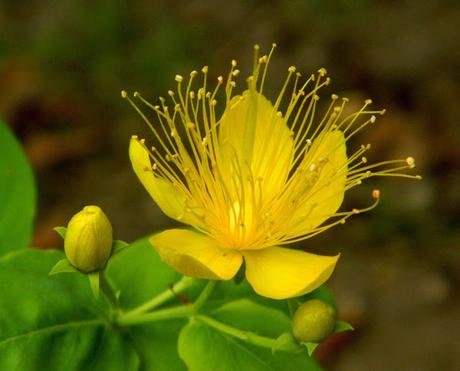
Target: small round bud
[88,240]
[313,321]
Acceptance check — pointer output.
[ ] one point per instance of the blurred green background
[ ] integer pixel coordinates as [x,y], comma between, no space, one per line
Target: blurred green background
[63,64]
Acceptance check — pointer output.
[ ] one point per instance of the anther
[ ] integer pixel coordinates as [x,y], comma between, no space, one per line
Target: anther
[256,47]
[292,69]
[334,97]
[193,73]
[142,141]
[279,114]
[308,141]
[170,93]
[178,78]
[236,73]
[355,211]
[213,103]
[411,162]
[322,71]
[373,119]
[382,112]
[368,101]
[135,137]
[263,59]
[363,160]
[173,133]
[136,94]
[220,79]
[234,63]
[205,69]
[376,194]
[124,94]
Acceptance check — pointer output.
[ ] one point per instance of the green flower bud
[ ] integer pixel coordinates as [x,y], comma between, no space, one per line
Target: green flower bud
[313,321]
[88,240]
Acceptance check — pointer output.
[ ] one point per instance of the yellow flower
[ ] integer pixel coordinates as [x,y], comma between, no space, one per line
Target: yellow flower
[253,177]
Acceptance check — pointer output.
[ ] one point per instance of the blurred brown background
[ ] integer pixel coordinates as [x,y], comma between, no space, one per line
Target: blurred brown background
[63,64]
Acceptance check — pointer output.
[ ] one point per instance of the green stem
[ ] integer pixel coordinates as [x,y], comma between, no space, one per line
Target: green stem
[181,285]
[182,311]
[204,295]
[107,290]
[247,336]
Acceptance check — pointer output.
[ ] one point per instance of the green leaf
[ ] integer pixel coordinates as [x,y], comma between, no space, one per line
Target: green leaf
[139,274]
[63,266]
[248,315]
[204,348]
[341,326]
[61,231]
[17,194]
[53,322]
[286,343]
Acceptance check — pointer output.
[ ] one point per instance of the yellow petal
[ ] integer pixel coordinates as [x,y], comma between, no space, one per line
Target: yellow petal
[327,160]
[252,133]
[168,198]
[281,273]
[196,255]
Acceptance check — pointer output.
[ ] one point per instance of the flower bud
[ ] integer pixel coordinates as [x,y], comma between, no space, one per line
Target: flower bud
[313,321]
[88,240]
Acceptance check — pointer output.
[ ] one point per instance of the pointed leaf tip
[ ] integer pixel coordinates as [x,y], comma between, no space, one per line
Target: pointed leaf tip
[310,347]
[341,326]
[61,231]
[63,266]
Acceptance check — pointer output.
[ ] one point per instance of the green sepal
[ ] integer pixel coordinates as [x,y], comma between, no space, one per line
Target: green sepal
[94,283]
[310,347]
[286,343]
[118,246]
[342,326]
[63,266]
[61,231]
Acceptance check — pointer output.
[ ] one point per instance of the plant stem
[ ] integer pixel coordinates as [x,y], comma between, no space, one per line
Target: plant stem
[181,285]
[247,336]
[107,290]
[204,295]
[182,311]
